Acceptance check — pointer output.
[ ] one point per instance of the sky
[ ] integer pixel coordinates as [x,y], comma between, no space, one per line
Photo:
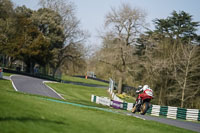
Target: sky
[92,13]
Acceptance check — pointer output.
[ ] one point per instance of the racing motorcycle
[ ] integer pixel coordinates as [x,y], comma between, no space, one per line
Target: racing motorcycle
[141,105]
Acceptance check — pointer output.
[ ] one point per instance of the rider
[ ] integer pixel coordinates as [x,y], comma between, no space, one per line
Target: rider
[147,93]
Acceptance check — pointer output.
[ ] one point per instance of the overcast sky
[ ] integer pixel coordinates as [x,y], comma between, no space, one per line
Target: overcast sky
[91,13]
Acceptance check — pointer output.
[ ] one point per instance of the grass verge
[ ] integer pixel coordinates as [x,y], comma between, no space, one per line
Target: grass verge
[6,74]
[82,80]
[22,113]
[77,93]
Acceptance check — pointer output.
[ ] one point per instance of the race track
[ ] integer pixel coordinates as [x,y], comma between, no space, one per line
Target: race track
[32,85]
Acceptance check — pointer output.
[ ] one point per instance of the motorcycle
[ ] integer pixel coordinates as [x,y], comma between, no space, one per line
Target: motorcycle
[142,105]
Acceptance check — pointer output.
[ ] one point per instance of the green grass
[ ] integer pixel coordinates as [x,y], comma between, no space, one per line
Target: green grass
[83,80]
[6,74]
[23,113]
[77,93]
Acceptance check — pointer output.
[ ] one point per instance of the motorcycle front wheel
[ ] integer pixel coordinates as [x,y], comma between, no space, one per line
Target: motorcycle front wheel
[134,109]
[144,108]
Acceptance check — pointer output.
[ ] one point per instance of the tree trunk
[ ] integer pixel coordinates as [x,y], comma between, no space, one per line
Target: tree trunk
[183,93]
[120,85]
[184,85]
[30,67]
[160,96]
[54,72]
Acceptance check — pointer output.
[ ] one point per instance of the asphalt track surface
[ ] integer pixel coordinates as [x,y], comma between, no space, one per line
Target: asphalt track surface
[194,126]
[32,85]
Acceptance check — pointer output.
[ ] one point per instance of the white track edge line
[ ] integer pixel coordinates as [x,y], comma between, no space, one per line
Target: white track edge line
[13,83]
[52,88]
[136,116]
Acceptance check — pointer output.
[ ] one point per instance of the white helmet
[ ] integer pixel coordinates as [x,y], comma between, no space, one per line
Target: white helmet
[145,87]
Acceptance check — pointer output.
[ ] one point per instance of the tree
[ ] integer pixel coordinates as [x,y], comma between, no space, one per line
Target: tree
[30,45]
[49,24]
[178,26]
[171,60]
[26,42]
[6,8]
[186,73]
[125,25]
[75,60]
[6,27]
[73,36]
[157,68]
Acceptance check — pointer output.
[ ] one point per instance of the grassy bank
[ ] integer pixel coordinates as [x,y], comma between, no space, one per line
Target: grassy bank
[6,74]
[23,113]
[77,93]
[83,80]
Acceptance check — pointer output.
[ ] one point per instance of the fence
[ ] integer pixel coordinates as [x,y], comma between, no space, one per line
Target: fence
[111,91]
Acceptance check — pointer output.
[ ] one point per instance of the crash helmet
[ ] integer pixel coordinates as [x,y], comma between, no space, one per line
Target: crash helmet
[145,87]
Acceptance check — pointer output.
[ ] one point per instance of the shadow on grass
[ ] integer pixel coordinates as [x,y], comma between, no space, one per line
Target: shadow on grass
[27,119]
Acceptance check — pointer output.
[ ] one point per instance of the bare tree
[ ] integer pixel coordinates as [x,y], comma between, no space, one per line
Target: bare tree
[158,67]
[124,26]
[173,71]
[186,72]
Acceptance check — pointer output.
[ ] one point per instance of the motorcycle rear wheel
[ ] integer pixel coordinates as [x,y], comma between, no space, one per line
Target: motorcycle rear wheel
[144,108]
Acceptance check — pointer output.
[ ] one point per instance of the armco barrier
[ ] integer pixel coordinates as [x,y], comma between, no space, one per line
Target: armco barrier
[181,113]
[155,110]
[175,113]
[103,100]
[192,114]
[93,98]
[108,102]
[172,112]
[116,104]
[129,106]
[163,110]
[199,116]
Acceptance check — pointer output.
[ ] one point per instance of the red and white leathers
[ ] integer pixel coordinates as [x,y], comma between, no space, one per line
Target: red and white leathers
[147,93]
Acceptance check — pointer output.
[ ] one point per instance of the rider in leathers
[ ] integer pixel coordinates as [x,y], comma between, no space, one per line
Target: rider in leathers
[147,93]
